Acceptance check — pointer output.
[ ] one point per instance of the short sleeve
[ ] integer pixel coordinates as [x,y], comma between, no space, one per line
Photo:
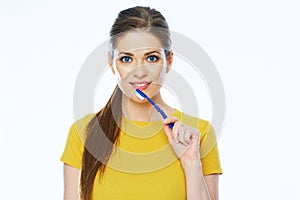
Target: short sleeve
[209,151]
[72,154]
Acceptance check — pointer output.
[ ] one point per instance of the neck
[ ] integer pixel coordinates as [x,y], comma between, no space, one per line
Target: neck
[144,111]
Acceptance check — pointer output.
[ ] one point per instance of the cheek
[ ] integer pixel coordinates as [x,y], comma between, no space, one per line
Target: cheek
[159,73]
[123,72]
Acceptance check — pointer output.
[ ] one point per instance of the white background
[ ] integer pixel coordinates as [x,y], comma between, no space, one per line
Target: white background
[255,46]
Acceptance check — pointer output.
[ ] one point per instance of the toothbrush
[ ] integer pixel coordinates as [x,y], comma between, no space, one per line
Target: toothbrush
[141,95]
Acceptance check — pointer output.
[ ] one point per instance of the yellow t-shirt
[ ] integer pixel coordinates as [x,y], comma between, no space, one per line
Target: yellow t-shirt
[143,166]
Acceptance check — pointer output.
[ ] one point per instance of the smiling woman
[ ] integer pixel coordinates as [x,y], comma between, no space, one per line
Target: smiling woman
[141,63]
[126,151]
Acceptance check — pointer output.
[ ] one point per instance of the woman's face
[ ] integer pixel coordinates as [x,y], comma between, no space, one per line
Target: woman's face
[140,63]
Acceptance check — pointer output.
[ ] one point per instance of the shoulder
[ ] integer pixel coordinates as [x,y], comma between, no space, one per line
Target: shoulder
[79,126]
[85,119]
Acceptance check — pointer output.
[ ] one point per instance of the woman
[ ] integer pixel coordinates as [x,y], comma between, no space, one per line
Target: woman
[125,151]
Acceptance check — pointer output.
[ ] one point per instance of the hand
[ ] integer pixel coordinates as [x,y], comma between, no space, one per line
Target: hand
[185,140]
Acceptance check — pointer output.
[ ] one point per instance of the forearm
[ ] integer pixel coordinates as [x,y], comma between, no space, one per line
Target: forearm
[196,188]
[71,183]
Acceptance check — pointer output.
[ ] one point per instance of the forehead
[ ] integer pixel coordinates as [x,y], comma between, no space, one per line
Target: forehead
[133,41]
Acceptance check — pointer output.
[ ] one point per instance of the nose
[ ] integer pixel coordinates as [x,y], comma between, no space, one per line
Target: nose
[140,72]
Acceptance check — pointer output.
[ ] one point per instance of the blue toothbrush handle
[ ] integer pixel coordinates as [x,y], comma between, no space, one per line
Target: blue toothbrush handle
[163,115]
[155,106]
[171,125]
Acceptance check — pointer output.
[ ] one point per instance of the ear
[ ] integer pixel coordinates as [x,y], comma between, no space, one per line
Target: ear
[110,62]
[169,61]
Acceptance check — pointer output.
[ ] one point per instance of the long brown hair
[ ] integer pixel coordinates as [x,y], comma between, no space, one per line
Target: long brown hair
[103,130]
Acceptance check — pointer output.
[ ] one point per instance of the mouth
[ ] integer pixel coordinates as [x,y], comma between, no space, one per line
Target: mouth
[141,85]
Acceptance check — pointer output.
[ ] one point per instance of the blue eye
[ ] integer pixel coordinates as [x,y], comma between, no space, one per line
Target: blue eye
[152,58]
[126,59]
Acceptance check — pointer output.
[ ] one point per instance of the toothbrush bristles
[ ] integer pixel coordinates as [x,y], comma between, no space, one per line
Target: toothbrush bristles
[139,96]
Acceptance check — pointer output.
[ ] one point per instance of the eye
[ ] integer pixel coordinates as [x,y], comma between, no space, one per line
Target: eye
[152,58]
[125,59]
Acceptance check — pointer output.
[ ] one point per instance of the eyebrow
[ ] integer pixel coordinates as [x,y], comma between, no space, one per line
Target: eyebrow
[130,54]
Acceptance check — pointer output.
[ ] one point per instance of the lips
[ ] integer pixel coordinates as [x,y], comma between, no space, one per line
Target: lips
[142,85]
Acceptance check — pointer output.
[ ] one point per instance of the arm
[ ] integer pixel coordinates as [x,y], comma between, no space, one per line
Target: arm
[196,187]
[71,183]
[212,182]
[199,186]
[185,141]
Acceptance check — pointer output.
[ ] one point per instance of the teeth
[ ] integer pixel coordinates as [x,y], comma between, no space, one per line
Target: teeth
[139,85]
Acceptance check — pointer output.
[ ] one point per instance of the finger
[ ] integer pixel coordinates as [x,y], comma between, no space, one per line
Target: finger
[171,119]
[168,132]
[195,138]
[195,141]
[196,134]
[181,136]
[187,137]
[175,131]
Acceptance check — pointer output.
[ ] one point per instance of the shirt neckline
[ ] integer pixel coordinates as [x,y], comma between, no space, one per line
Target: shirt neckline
[143,129]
